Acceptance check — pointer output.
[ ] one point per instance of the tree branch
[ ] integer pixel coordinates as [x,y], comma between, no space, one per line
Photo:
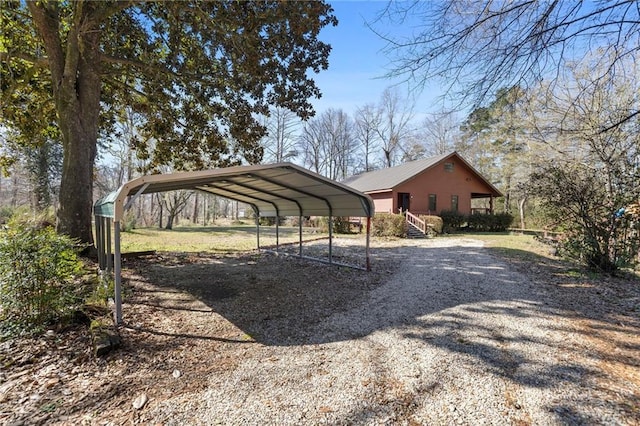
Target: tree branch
[41,62]
[619,122]
[137,64]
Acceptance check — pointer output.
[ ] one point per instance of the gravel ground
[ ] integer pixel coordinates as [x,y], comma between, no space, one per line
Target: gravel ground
[442,331]
[455,336]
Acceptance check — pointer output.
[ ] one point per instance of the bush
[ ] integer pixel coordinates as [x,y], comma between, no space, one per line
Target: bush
[271,220]
[502,221]
[433,222]
[452,220]
[5,214]
[129,222]
[37,268]
[389,225]
[489,222]
[341,225]
[320,223]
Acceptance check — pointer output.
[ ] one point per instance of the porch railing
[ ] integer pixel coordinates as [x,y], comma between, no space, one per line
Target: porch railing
[415,221]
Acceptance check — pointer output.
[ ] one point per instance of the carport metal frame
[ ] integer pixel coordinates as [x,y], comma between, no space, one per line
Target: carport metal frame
[282,189]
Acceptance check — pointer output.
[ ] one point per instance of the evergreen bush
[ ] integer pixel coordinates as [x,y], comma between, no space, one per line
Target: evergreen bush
[489,222]
[37,270]
[341,225]
[452,220]
[389,225]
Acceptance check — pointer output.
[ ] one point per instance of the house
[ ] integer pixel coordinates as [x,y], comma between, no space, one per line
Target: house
[427,186]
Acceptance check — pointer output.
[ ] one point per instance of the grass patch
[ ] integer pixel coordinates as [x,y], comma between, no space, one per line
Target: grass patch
[512,245]
[210,239]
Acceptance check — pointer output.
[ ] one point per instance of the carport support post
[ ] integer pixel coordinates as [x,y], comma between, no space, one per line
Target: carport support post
[117,296]
[258,230]
[107,237]
[277,229]
[98,223]
[300,235]
[330,236]
[367,244]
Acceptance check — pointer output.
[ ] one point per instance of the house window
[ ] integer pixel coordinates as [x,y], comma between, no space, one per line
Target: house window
[454,203]
[448,166]
[432,202]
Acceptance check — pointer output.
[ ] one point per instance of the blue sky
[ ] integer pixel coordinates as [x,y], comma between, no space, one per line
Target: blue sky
[357,64]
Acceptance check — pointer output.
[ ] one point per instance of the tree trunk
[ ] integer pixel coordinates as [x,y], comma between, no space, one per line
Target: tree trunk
[170,218]
[161,212]
[39,171]
[76,185]
[387,157]
[14,190]
[507,195]
[194,216]
[521,206]
[75,73]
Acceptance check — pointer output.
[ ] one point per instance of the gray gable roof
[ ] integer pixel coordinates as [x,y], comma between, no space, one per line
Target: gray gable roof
[386,179]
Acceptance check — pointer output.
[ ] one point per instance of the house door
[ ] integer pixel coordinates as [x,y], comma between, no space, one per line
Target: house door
[404,199]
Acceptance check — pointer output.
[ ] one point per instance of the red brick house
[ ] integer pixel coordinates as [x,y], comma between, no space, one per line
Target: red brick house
[426,186]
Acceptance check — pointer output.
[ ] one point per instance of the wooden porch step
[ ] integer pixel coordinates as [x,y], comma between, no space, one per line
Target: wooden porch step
[415,233]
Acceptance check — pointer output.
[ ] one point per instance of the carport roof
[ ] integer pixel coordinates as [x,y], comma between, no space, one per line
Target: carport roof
[282,189]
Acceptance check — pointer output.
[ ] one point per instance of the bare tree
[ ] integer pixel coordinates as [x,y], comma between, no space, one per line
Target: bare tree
[341,143]
[119,163]
[439,132]
[310,143]
[396,114]
[174,202]
[478,47]
[413,150]
[328,144]
[367,123]
[15,187]
[282,131]
[590,177]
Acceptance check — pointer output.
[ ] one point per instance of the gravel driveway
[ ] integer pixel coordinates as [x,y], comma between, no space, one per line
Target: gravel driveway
[455,336]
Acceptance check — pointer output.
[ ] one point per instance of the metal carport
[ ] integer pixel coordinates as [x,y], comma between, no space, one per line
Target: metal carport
[273,190]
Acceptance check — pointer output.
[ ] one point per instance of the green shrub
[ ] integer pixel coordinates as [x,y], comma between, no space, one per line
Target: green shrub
[128,222]
[478,222]
[37,269]
[5,214]
[341,225]
[503,221]
[271,220]
[452,220]
[389,225]
[433,222]
[489,222]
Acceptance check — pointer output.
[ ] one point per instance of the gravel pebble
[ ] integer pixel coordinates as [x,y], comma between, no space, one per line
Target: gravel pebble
[456,336]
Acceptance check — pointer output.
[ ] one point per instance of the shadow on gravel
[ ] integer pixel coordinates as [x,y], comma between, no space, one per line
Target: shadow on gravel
[274,300]
[439,293]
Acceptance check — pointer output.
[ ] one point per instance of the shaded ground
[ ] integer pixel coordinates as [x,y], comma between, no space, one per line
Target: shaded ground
[603,316]
[189,317]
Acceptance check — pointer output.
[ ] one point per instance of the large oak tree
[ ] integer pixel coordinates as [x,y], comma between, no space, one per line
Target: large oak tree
[200,73]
